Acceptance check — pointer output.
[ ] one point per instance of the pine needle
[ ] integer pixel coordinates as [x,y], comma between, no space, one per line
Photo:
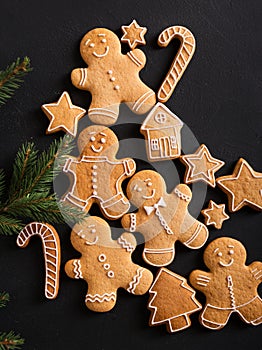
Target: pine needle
[30,194]
[4,298]
[10,341]
[11,78]
[2,184]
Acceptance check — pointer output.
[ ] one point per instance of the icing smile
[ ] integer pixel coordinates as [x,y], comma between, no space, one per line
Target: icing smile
[92,243]
[226,265]
[97,150]
[151,196]
[102,54]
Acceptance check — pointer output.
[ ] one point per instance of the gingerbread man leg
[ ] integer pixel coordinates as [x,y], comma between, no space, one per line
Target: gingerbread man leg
[160,250]
[115,206]
[214,318]
[252,312]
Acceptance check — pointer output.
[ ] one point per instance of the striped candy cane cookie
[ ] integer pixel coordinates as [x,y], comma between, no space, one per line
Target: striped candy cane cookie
[181,61]
[51,250]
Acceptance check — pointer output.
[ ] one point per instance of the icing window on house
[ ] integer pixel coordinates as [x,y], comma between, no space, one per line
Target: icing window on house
[173,142]
[160,118]
[154,145]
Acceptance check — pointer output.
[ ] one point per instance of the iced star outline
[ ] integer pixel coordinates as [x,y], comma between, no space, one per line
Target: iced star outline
[133,42]
[207,176]
[51,129]
[235,177]
[213,207]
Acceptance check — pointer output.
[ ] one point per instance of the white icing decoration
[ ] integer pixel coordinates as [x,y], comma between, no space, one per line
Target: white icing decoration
[223,264]
[92,243]
[103,112]
[51,255]
[150,196]
[77,269]
[132,222]
[110,274]
[125,244]
[102,258]
[142,99]
[96,150]
[134,59]
[106,266]
[102,54]
[135,281]
[100,298]
[116,87]
[83,76]
[182,195]
[180,62]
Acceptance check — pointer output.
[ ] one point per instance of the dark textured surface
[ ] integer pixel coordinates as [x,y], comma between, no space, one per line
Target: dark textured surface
[219,98]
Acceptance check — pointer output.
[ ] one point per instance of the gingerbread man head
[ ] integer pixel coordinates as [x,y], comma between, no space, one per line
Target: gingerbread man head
[99,44]
[224,254]
[92,231]
[97,140]
[145,188]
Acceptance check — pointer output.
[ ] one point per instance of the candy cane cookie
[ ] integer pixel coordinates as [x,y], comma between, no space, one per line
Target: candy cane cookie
[51,249]
[181,60]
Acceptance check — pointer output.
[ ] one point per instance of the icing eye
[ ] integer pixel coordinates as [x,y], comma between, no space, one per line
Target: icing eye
[93,230]
[92,45]
[83,236]
[92,138]
[149,184]
[139,189]
[103,41]
[231,252]
[103,140]
[219,254]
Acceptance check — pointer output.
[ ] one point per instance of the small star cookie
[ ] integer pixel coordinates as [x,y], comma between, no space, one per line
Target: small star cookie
[133,34]
[243,187]
[215,214]
[201,166]
[63,115]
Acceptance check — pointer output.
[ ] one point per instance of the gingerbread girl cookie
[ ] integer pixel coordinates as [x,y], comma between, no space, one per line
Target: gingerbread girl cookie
[96,175]
[162,218]
[230,285]
[111,77]
[105,264]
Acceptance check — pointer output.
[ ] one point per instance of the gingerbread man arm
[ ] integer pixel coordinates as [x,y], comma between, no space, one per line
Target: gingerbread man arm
[127,242]
[126,166]
[69,163]
[256,271]
[137,57]
[131,222]
[73,269]
[200,279]
[79,79]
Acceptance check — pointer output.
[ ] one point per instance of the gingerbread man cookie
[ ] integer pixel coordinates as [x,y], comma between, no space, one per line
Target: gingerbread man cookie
[105,264]
[111,77]
[162,218]
[230,285]
[96,175]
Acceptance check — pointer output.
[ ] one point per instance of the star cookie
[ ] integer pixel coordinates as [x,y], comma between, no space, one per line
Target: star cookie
[215,214]
[201,166]
[63,115]
[133,34]
[243,187]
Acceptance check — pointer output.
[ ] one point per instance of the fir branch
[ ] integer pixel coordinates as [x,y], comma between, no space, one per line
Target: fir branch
[2,184]
[10,225]
[10,341]
[30,194]
[11,78]
[4,298]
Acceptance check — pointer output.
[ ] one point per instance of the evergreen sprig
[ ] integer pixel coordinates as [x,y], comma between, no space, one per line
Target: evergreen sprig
[4,298]
[11,78]
[30,194]
[10,341]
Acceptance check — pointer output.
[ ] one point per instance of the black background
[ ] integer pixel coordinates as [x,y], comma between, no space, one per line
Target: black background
[219,98]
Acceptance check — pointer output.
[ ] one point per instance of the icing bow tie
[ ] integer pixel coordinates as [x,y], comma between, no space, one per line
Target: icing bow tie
[160,203]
